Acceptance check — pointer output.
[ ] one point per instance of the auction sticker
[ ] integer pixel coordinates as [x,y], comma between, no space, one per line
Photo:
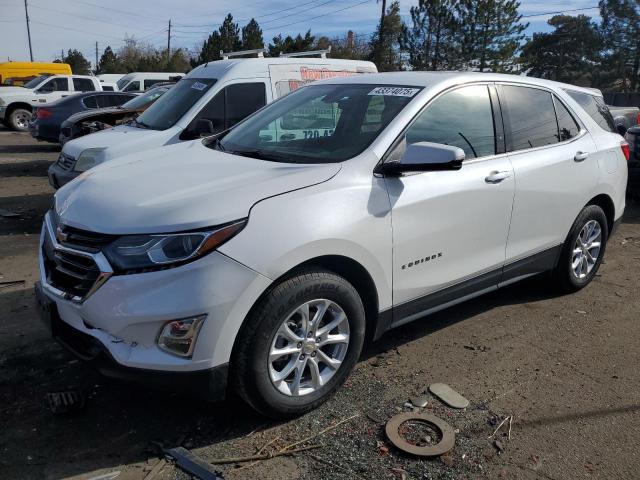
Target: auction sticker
[394,91]
[199,86]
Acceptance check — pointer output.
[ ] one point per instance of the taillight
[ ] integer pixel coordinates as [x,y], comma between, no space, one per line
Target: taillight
[43,113]
[626,151]
[638,119]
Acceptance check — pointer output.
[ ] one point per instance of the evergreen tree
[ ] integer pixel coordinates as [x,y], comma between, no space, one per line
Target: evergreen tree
[108,62]
[430,42]
[226,38]
[570,53]
[490,34]
[620,29]
[291,44]
[252,36]
[79,64]
[385,41]
[210,49]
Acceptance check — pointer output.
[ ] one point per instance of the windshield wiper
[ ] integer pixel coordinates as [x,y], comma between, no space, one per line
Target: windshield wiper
[140,124]
[261,155]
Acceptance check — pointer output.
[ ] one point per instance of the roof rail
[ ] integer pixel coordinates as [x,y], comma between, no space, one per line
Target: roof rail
[259,52]
[322,53]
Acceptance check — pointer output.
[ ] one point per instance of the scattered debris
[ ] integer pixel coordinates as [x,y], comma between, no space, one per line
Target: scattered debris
[581,312]
[4,213]
[448,395]
[499,446]
[510,419]
[351,473]
[419,402]
[193,464]
[65,402]
[11,283]
[446,443]
[157,468]
[107,476]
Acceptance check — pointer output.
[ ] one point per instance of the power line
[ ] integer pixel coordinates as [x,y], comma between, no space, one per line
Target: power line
[319,16]
[559,12]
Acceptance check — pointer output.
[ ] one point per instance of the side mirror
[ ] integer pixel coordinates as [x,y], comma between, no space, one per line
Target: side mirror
[204,127]
[425,157]
[622,130]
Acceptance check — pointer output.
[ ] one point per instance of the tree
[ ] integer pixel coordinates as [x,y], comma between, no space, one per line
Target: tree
[570,53]
[210,49]
[291,44]
[79,65]
[252,36]
[430,42]
[490,34]
[226,38]
[620,29]
[385,41]
[108,62]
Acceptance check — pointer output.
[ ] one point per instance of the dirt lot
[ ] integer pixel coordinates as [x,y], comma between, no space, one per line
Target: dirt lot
[564,367]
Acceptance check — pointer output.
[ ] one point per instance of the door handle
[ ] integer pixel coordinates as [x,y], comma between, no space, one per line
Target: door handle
[497,177]
[581,156]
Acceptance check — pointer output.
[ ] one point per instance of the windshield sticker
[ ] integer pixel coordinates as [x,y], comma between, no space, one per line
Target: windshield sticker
[199,86]
[394,91]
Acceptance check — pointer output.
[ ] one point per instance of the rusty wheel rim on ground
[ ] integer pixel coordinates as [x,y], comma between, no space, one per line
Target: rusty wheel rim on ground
[448,437]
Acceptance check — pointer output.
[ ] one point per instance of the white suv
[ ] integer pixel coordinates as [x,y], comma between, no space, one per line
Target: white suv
[262,263]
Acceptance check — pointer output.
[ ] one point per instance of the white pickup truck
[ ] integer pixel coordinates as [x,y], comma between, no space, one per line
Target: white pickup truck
[17,103]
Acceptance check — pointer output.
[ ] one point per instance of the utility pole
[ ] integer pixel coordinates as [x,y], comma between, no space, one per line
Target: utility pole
[169,40]
[26,13]
[96,67]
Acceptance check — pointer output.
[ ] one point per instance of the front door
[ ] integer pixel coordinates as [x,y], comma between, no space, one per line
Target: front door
[52,90]
[450,227]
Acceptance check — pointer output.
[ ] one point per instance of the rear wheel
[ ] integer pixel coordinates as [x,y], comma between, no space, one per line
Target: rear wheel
[299,344]
[19,119]
[583,250]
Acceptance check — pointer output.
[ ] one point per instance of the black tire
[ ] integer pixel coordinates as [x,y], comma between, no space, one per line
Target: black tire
[16,119]
[250,376]
[565,278]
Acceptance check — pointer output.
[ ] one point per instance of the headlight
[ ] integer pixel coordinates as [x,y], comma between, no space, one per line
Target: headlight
[145,252]
[87,159]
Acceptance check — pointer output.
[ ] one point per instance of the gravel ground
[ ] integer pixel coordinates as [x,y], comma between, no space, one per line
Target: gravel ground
[565,368]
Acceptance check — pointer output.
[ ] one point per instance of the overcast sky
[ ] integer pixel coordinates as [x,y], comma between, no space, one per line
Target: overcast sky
[64,24]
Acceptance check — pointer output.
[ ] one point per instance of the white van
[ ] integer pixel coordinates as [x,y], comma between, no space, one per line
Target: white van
[211,98]
[141,81]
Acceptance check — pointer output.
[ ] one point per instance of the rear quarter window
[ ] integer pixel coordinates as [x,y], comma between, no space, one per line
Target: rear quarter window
[596,109]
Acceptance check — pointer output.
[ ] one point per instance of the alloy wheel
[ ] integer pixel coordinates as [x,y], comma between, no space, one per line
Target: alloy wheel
[586,249]
[309,347]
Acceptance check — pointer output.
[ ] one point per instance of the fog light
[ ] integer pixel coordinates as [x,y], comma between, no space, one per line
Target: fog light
[179,336]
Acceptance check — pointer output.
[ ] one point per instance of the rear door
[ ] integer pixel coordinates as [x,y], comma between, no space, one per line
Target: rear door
[450,227]
[556,169]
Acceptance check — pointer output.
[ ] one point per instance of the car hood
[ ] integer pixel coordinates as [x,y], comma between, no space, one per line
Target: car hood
[87,115]
[119,141]
[177,188]
[15,91]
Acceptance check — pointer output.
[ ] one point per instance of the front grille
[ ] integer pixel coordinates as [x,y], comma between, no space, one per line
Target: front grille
[72,273]
[78,239]
[65,161]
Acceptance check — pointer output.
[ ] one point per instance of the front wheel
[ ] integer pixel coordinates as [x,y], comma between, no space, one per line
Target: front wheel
[19,119]
[583,250]
[298,344]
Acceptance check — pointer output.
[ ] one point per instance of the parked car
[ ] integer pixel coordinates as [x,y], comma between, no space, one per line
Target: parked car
[86,122]
[141,81]
[258,262]
[46,121]
[18,73]
[109,87]
[211,98]
[17,103]
[625,117]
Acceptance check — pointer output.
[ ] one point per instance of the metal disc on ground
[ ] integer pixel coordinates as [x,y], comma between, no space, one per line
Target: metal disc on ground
[448,395]
[444,430]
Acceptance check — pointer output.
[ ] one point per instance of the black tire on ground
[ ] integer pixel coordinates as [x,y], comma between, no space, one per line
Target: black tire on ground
[17,119]
[565,278]
[249,375]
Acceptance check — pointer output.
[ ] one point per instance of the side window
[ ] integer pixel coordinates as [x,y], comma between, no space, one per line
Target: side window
[214,111]
[133,87]
[107,88]
[242,99]
[83,85]
[117,100]
[531,115]
[462,117]
[90,102]
[56,85]
[567,125]
[103,101]
[150,82]
[596,108]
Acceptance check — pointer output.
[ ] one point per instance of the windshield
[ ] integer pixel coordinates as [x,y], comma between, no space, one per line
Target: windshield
[33,83]
[171,107]
[318,123]
[144,100]
[123,81]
